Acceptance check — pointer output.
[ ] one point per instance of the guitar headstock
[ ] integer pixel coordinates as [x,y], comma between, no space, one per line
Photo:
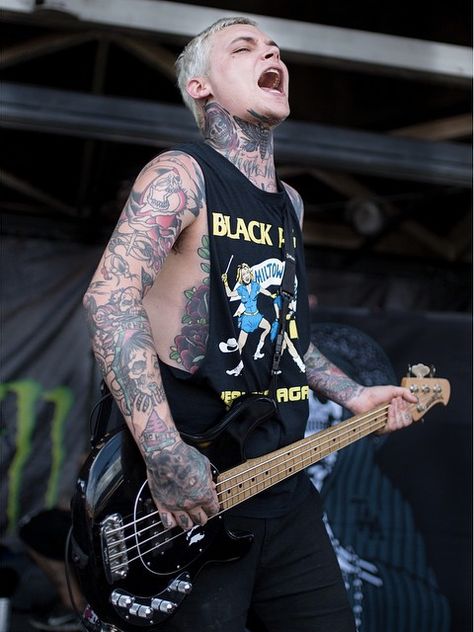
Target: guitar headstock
[430,390]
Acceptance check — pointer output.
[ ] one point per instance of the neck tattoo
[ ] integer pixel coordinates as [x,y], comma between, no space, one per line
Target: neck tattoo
[249,146]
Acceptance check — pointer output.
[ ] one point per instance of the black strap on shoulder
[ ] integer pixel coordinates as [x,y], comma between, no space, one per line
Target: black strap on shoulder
[287,292]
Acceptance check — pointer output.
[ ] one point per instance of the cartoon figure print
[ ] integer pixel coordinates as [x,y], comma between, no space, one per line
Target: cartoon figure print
[251,282]
[249,317]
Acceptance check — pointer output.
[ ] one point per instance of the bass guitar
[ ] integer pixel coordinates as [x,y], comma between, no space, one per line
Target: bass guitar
[135,573]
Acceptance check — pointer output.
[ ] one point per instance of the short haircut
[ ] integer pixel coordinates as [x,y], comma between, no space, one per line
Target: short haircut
[194,59]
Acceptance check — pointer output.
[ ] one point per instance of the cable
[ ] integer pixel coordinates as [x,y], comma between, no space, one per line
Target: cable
[68,581]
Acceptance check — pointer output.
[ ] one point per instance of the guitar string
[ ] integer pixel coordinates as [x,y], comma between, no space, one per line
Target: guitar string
[308,448]
[329,432]
[182,533]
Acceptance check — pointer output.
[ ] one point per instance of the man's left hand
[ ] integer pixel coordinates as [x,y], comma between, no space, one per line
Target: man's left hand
[398,398]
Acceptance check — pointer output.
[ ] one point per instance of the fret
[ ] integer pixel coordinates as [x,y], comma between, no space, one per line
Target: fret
[258,474]
[255,475]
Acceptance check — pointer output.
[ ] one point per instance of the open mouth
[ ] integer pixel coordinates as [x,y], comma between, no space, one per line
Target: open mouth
[271,79]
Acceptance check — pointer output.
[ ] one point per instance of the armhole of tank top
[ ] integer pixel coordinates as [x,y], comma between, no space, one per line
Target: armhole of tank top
[176,371]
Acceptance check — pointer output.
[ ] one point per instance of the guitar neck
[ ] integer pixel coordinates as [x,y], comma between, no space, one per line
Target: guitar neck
[256,475]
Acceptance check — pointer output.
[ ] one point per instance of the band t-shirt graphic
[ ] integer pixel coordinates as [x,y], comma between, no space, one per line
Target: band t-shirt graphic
[246,248]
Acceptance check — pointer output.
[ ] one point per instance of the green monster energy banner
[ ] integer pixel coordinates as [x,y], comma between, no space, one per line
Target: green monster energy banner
[46,374]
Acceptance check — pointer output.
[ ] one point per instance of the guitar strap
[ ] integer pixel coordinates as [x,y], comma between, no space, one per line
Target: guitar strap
[105,415]
[286,295]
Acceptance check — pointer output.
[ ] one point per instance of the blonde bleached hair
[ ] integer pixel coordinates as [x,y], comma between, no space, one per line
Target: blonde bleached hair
[194,60]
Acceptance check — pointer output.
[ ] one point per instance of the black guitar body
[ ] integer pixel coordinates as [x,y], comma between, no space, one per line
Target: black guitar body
[132,572]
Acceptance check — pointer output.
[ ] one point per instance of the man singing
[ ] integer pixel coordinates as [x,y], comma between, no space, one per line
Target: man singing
[195,214]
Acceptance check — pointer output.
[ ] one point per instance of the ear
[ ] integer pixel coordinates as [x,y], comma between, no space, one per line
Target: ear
[198,88]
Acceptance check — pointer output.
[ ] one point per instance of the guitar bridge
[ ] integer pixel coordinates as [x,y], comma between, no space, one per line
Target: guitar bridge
[114,548]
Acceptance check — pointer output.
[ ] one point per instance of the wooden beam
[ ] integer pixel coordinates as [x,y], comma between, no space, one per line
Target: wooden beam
[312,43]
[350,187]
[22,208]
[448,128]
[305,144]
[343,183]
[438,245]
[415,241]
[158,57]
[461,236]
[25,188]
[88,151]
[329,234]
[44,45]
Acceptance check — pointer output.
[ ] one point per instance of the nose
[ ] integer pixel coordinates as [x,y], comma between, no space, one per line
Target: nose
[272,51]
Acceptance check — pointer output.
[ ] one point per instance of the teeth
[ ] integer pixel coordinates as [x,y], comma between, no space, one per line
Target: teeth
[276,79]
[270,79]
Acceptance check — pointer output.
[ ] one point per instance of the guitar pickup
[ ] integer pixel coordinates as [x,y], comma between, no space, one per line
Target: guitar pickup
[114,548]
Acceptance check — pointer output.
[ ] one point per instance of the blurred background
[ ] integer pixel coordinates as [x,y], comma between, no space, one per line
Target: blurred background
[379,144]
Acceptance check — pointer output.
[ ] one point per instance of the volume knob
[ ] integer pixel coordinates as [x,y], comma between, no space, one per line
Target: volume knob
[162,605]
[140,610]
[181,586]
[120,599]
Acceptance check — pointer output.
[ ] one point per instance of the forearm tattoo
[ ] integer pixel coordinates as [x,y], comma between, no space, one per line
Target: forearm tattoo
[157,436]
[120,330]
[325,378]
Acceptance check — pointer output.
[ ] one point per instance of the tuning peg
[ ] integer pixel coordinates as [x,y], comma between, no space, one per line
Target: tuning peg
[432,370]
[420,370]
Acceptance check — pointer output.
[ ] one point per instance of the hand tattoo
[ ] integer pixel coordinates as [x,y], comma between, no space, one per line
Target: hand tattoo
[179,475]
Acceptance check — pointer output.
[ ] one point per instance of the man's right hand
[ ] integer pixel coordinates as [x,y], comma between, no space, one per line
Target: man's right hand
[181,485]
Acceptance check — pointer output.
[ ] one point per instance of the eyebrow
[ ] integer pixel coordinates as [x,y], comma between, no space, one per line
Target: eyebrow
[251,40]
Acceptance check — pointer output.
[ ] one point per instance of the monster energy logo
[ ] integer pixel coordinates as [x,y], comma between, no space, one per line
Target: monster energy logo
[29,396]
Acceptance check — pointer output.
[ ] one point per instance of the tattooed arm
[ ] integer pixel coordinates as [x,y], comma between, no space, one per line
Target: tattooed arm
[327,379]
[166,198]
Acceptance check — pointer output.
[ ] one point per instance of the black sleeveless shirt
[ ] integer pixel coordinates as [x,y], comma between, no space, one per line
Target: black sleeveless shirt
[246,244]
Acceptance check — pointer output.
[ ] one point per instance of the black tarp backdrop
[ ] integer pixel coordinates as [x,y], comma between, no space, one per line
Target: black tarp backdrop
[46,374]
[419,479]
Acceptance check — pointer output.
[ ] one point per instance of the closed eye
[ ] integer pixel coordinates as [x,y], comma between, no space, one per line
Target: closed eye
[240,50]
